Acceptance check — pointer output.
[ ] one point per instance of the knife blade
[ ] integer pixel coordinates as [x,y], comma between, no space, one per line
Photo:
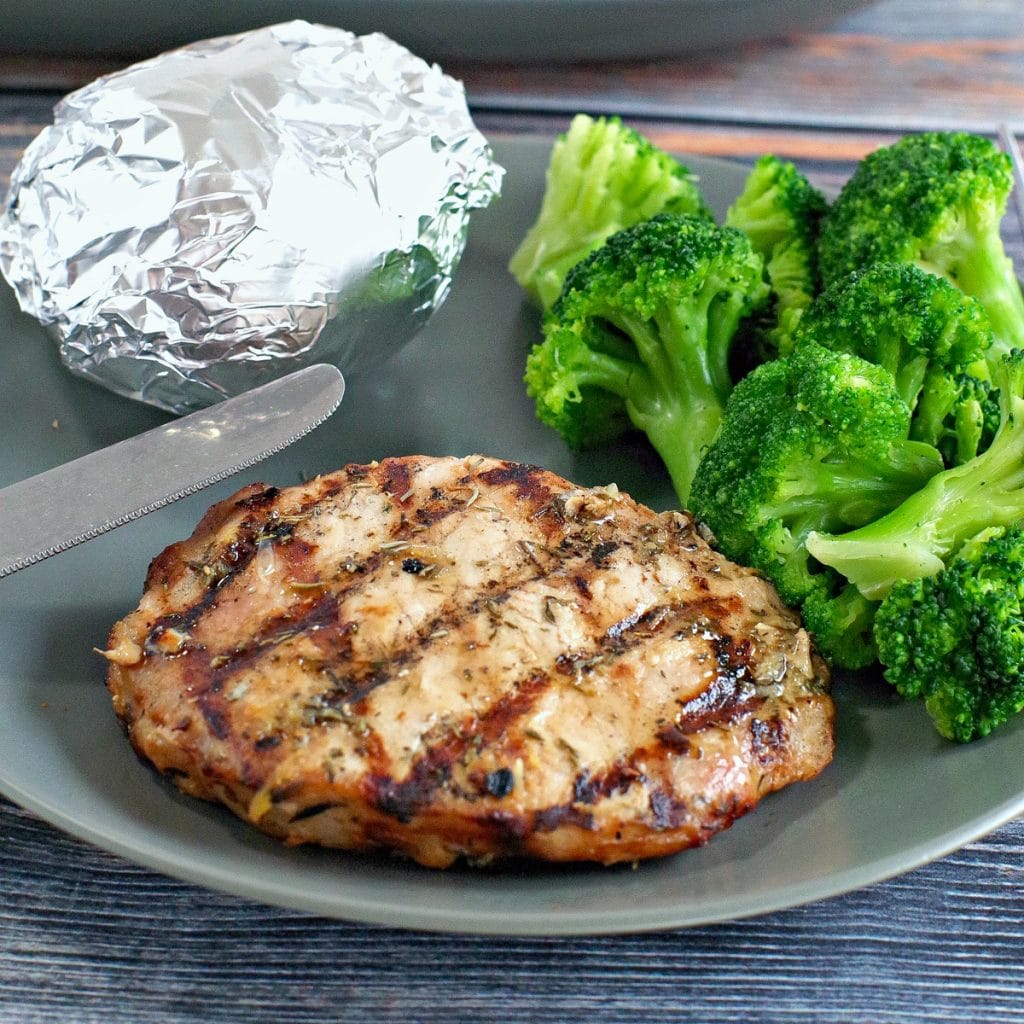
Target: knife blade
[49,513]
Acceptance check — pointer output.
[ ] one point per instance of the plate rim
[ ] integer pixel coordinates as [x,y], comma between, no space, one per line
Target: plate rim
[354,905]
[569,922]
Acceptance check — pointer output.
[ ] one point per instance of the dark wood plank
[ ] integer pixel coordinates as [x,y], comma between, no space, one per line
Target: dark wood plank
[892,65]
[896,64]
[87,937]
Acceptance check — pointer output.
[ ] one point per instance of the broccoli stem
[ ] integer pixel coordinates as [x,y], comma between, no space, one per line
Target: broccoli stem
[910,378]
[681,429]
[982,269]
[854,491]
[678,394]
[603,370]
[916,538]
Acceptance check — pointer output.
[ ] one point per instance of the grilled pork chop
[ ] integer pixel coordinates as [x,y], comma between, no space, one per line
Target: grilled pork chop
[448,657]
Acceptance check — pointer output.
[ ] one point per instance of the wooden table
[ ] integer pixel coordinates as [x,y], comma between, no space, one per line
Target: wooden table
[85,936]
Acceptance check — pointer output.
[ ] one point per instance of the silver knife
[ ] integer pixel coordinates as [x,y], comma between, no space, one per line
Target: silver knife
[65,506]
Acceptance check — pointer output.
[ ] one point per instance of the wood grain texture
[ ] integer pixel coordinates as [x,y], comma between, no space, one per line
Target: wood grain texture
[895,63]
[926,63]
[86,937]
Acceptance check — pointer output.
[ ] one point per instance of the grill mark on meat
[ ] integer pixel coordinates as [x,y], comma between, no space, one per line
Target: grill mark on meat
[589,789]
[208,679]
[242,550]
[730,694]
[767,739]
[216,719]
[460,618]
[432,770]
[666,810]
[674,739]
[529,481]
[617,778]
[720,703]
[600,553]
[234,559]
[618,640]
[212,706]
[684,618]
[395,477]
[318,620]
[506,829]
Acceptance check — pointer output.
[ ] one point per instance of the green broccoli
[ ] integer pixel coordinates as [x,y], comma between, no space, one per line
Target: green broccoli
[779,211]
[813,438]
[918,537]
[641,334]
[602,177]
[936,200]
[959,415]
[931,337]
[957,639]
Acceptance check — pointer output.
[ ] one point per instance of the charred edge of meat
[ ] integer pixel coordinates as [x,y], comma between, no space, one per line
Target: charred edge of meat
[529,481]
[258,500]
[547,819]
[395,477]
[312,811]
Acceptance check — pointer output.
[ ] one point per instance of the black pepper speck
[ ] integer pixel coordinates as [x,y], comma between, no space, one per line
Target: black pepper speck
[500,782]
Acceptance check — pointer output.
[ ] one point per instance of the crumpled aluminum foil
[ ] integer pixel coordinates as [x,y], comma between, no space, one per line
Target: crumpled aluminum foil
[228,212]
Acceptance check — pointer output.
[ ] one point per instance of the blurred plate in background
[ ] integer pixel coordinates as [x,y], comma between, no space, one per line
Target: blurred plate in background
[512,30]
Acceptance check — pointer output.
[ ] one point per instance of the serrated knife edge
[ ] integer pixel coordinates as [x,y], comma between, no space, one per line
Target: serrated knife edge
[42,519]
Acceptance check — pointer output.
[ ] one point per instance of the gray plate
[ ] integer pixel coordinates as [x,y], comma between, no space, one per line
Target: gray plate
[895,797]
[519,30]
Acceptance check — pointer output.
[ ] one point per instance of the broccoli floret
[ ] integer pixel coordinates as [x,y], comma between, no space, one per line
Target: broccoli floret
[957,639]
[813,438]
[779,211]
[840,618]
[936,200]
[959,415]
[926,333]
[602,177]
[642,333]
[917,538]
